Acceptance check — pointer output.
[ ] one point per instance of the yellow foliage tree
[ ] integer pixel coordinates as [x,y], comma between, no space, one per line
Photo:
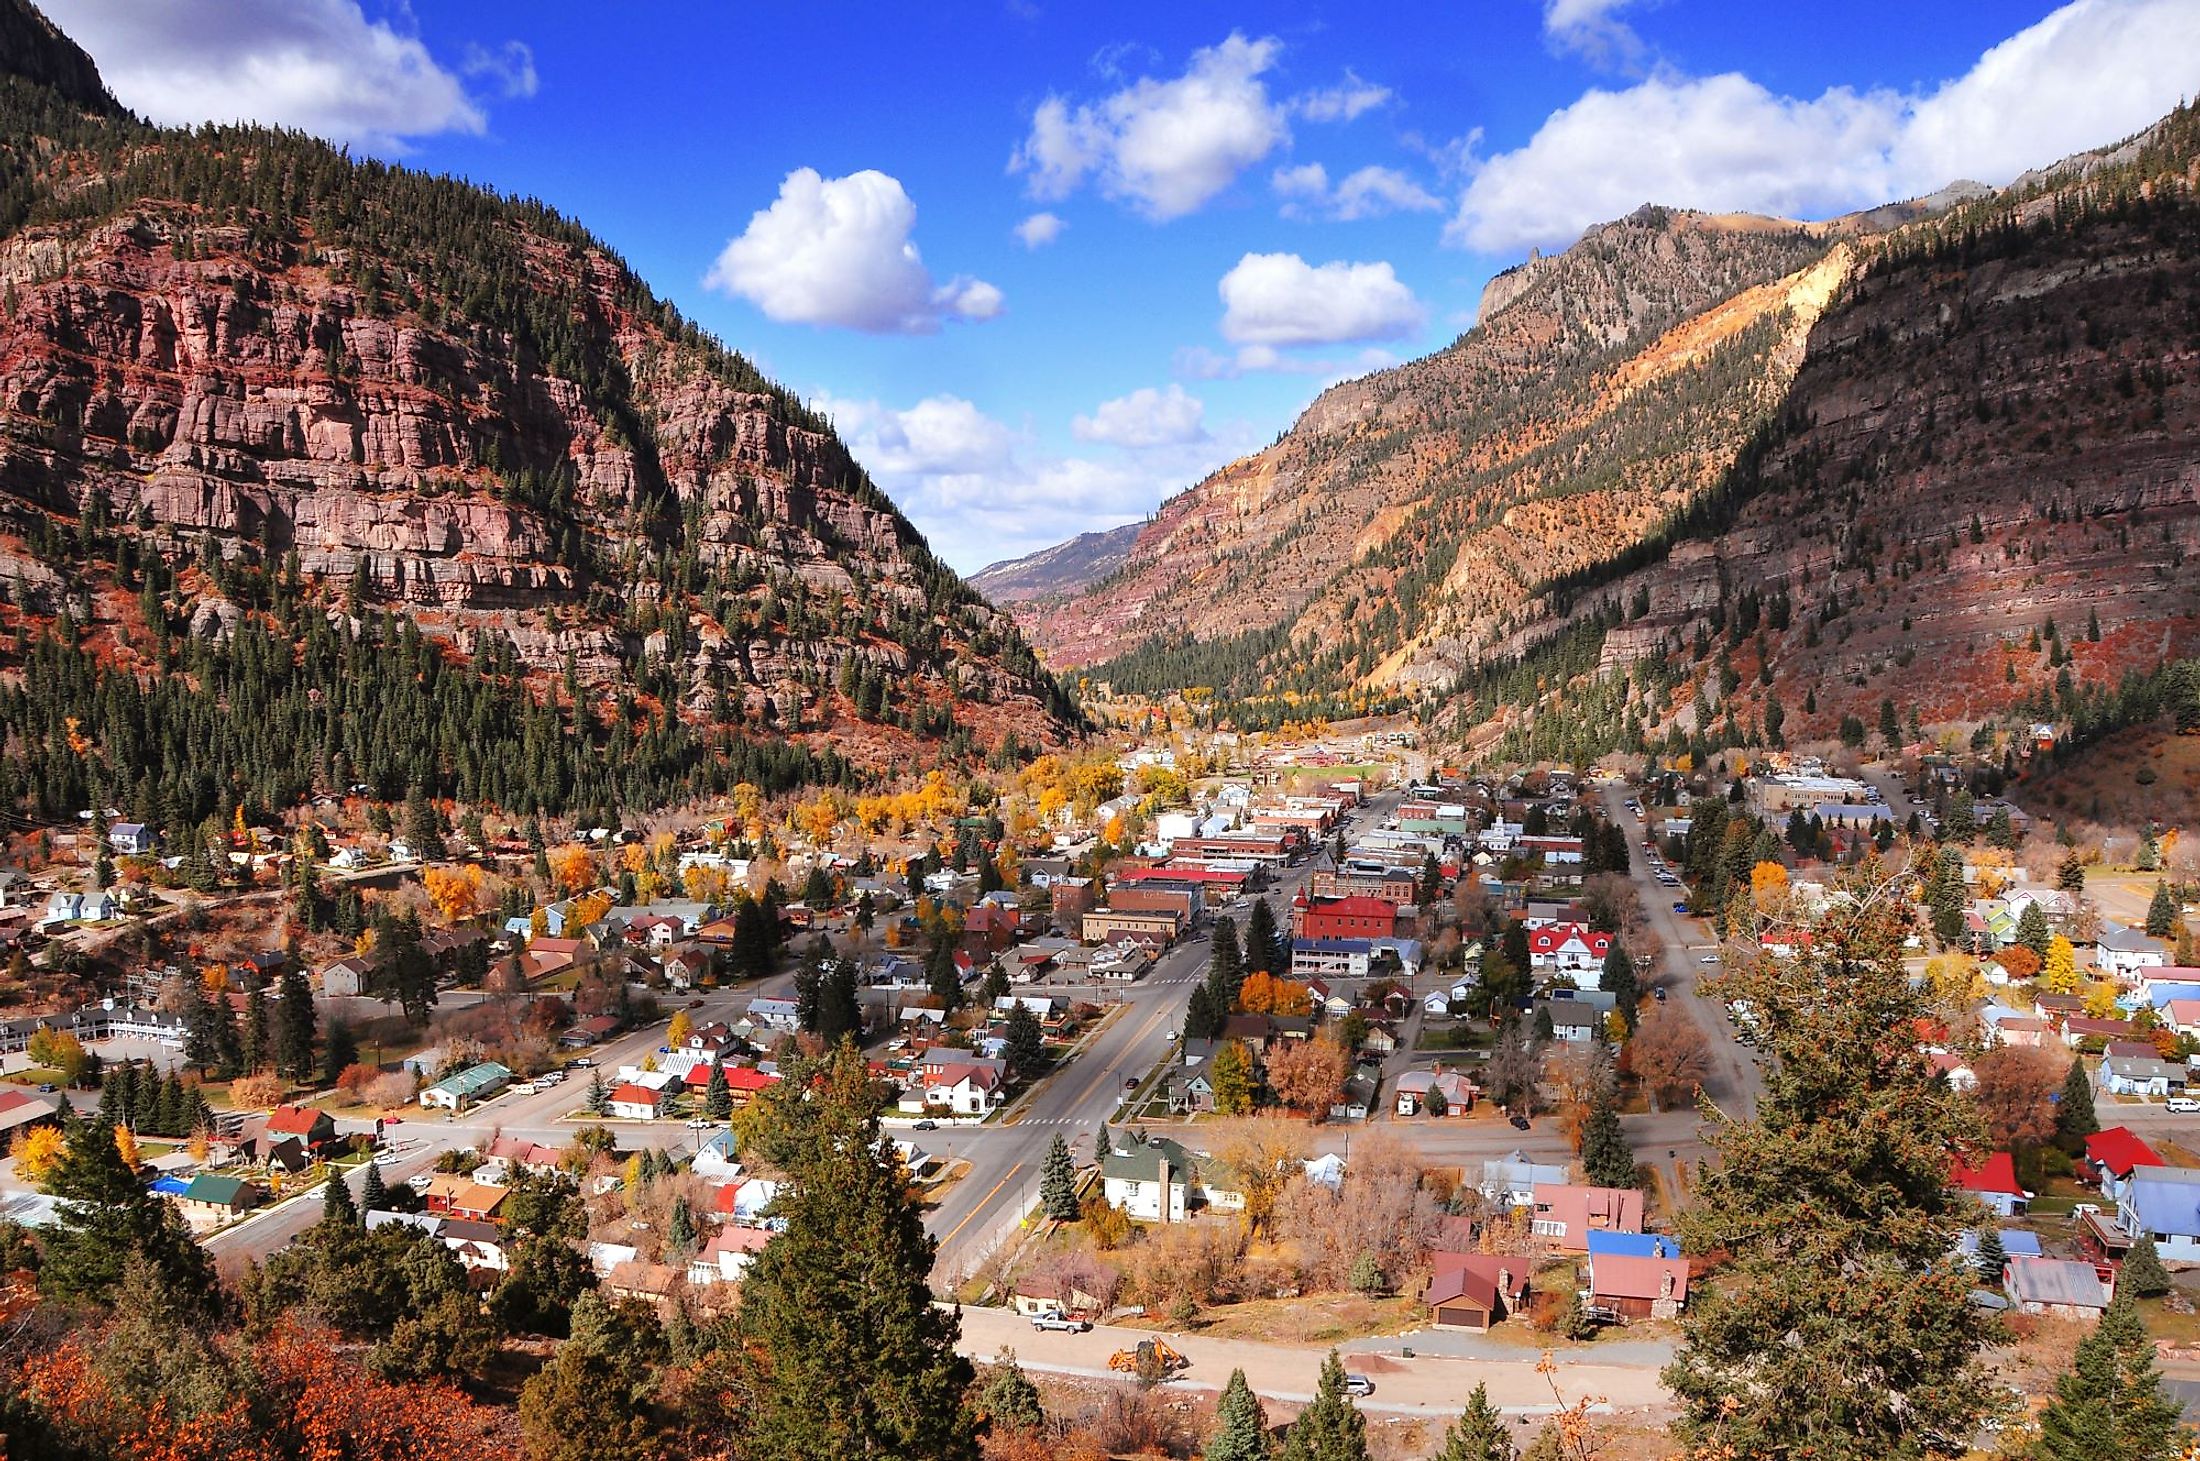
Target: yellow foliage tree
[571,867]
[2100,1000]
[818,818]
[1264,994]
[1768,884]
[748,810]
[35,1152]
[1954,980]
[455,891]
[126,1145]
[364,944]
[2060,974]
[676,1033]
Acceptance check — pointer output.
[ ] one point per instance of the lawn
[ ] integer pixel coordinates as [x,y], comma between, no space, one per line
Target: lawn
[1313,1319]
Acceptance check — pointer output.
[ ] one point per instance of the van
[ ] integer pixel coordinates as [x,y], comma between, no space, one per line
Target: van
[2184,1105]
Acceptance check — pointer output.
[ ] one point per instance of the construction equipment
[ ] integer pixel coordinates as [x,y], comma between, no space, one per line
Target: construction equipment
[1151,1358]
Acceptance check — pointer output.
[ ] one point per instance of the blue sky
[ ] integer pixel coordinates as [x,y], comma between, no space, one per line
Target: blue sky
[1047,263]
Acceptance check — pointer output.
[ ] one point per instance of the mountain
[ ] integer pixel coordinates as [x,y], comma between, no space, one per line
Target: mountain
[1059,571]
[1906,436]
[256,393]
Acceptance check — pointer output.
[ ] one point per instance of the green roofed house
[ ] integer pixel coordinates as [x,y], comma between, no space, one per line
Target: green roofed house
[209,1202]
[475,1083]
[1156,1180]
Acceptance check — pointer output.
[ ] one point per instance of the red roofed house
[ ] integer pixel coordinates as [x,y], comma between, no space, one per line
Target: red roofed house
[744,1081]
[1993,1182]
[2111,1157]
[1571,1212]
[1353,917]
[1638,1287]
[1474,1290]
[631,1102]
[2182,1015]
[1572,949]
[309,1124]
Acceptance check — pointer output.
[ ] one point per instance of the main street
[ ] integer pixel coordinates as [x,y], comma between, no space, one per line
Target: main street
[1002,1180]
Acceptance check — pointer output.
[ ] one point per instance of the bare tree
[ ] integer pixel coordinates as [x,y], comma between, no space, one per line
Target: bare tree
[1381,1209]
[1515,1068]
[1669,1055]
[1262,1153]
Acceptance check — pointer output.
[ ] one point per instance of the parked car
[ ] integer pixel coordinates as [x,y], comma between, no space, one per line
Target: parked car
[1520,1123]
[1358,1385]
[2185,1104]
[1680,907]
[1061,1323]
[1708,959]
[927,1124]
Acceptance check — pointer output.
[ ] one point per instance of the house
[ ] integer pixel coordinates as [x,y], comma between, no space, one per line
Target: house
[967,1089]
[1474,1290]
[2123,953]
[458,1195]
[528,1156]
[1413,1089]
[2111,1157]
[1511,1180]
[1577,1016]
[346,978]
[1353,916]
[209,1202]
[635,1102]
[131,839]
[1043,1293]
[2138,1075]
[94,907]
[308,1124]
[20,1110]
[1637,1275]
[775,1014]
[727,1256]
[1569,1212]
[2059,1286]
[2163,1203]
[1155,1180]
[1570,949]
[479,1245]
[650,1283]
[1191,1090]
[2011,1028]
[716,1160]
[1993,1182]
[475,1083]
[2077,1029]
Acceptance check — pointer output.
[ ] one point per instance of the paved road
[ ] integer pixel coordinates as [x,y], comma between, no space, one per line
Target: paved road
[1002,1182]
[1735,1082]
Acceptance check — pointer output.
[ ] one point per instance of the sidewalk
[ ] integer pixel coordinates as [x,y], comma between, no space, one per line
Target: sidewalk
[1428,1385]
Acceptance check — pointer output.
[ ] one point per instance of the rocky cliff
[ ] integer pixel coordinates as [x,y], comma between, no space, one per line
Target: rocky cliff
[243,348]
[1959,416]
[1057,572]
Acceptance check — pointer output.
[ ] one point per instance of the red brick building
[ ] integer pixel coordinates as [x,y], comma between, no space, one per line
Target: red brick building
[1352,917]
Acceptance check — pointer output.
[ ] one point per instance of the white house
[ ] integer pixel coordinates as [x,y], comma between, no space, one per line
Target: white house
[1155,1180]
[2124,952]
[775,1014]
[2163,1203]
[1511,1180]
[727,1256]
[966,1090]
[633,1102]
[1570,949]
[2137,1075]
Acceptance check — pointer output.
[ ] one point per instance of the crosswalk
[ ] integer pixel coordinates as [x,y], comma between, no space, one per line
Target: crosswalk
[1055,1121]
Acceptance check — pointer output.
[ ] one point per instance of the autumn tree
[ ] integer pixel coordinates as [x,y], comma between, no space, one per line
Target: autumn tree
[1669,1055]
[1834,1203]
[1308,1075]
[1265,1153]
[1231,1075]
[36,1150]
[841,1351]
[2016,1093]
[455,891]
[1266,994]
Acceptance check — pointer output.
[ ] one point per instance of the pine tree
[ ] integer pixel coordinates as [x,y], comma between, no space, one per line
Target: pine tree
[2032,929]
[1992,1256]
[1241,1425]
[2162,912]
[2143,1272]
[339,1053]
[373,1194]
[1833,1202]
[1009,1402]
[717,1095]
[294,1026]
[839,1347]
[1617,979]
[1606,1158]
[201,1030]
[2075,1119]
[680,1229]
[1025,1045]
[1331,1428]
[1058,1183]
[337,1208]
[106,1216]
[1263,952]
[256,1052]
[2111,1403]
[2069,878]
[1225,970]
[1479,1434]
[599,1094]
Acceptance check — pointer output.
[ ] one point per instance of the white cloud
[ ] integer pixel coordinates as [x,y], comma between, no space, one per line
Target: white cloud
[1727,143]
[1370,192]
[317,65]
[1145,418]
[1592,30]
[1039,230]
[982,492]
[836,251]
[1165,147]
[511,66]
[1281,301]
[1343,102]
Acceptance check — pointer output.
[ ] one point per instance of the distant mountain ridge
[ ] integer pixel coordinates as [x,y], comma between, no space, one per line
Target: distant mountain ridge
[1622,409]
[1056,572]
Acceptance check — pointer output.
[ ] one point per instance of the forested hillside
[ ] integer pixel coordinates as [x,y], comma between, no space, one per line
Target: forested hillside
[334,471]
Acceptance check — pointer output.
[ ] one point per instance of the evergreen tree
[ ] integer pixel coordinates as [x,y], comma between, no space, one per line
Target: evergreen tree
[1331,1428]
[337,1208]
[680,1229]
[1058,1183]
[717,1095]
[423,826]
[1225,969]
[840,1350]
[1260,941]
[2075,1119]
[2032,929]
[2143,1272]
[599,1094]
[1606,1158]
[1010,1402]
[1833,1202]
[1479,1434]
[1241,1425]
[374,1196]
[1617,979]
[2070,878]
[1992,1256]
[294,1026]
[942,976]
[201,1027]
[257,1052]
[2162,912]
[106,1216]
[1025,1045]
[1201,1022]
[340,1053]
[2111,1403]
